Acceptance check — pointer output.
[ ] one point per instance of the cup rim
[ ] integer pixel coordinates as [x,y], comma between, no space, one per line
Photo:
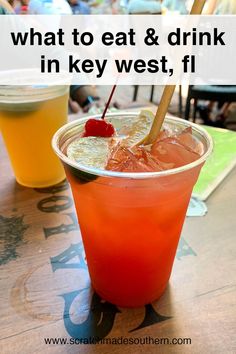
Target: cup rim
[15,95]
[131,175]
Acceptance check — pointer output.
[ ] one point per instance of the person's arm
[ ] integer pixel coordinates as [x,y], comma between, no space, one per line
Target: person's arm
[83,95]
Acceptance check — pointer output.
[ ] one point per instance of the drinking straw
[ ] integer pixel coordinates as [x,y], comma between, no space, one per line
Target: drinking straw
[108,102]
[168,92]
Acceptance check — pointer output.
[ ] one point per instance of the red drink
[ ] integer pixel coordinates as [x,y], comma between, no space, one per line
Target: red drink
[131,221]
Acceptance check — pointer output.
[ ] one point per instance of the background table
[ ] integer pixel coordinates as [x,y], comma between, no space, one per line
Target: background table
[45,288]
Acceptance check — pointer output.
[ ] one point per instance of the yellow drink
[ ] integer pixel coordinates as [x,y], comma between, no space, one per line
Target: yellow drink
[28,120]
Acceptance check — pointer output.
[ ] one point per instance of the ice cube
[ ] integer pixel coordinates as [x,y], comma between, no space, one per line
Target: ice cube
[125,159]
[171,151]
[187,139]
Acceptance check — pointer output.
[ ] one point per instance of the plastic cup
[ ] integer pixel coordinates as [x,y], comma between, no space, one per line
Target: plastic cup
[130,222]
[29,116]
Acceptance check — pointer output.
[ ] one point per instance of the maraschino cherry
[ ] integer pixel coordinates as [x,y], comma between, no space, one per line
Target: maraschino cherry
[99,127]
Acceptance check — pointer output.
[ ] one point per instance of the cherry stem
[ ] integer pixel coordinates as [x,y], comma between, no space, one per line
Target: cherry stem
[108,102]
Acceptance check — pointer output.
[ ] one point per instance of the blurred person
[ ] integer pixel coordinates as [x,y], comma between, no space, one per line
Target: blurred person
[175,6]
[85,98]
[144,7]
[21,7]
[221,7]
[79,7]
[49,7]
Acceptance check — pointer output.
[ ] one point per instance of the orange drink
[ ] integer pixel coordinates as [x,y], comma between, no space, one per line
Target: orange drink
[29,116]
[131,221]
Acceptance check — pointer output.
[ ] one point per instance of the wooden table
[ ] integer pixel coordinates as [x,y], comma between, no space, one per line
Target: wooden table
[45,288]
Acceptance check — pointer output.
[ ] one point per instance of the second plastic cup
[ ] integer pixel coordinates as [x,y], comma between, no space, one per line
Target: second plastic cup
[29,116]
[130,222]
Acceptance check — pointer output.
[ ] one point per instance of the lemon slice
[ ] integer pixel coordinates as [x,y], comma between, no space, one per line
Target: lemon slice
[90,151]
[139,129]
